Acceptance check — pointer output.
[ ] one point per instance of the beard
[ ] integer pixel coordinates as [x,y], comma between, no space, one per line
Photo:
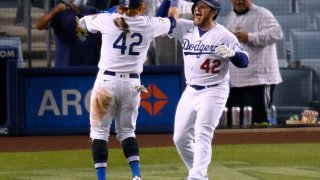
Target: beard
[202,22]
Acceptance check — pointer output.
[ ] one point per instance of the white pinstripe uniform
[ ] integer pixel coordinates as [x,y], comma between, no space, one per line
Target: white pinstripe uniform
[123,55]
[205,96]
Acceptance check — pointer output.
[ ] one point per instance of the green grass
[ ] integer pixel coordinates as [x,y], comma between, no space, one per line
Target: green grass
[239,162]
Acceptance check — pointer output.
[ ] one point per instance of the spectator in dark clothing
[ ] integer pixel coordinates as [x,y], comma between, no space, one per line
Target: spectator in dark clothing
[73,46]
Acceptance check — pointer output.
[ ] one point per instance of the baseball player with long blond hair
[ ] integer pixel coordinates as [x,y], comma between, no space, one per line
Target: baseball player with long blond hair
[126,37]
[208,49]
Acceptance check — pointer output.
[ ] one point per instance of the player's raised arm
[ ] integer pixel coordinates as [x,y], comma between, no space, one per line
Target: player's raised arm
[173,10]
[82,23]
[169,8]
[44,21]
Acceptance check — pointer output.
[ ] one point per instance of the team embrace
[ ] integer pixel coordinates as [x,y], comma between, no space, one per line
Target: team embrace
[208,50]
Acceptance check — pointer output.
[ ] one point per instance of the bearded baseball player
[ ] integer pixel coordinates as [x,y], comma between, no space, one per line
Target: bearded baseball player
[208,49]
[126,36]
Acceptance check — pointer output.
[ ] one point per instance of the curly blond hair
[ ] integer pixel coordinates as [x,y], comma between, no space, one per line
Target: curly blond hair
[121,23]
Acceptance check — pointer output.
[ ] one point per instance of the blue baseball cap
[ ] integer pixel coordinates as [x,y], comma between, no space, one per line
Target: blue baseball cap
[213,3]
[132,4]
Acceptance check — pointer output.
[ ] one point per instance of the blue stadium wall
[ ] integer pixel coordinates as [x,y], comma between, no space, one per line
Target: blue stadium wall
[55,101]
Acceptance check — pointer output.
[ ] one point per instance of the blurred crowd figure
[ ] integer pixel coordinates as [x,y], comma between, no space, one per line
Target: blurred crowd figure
[258,31]
[73,46]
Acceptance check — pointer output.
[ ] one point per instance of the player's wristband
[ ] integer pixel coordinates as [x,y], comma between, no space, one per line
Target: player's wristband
[240,60]
[174,3]
[173,22]
[172,26]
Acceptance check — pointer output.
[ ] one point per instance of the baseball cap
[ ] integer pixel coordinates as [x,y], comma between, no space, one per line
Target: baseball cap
[213,3]
[132,4]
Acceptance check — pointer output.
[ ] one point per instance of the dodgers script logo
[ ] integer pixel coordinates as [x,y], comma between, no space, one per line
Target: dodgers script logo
[197,49]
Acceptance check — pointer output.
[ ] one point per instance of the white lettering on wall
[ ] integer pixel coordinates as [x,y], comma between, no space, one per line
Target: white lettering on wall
[71,98]
[4,131]
[48,103]
[75,102]
[87,100]
[8,53]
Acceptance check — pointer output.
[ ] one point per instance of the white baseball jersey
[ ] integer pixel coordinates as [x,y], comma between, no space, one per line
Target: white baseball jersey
[201,65]
[198,111]
[128,52]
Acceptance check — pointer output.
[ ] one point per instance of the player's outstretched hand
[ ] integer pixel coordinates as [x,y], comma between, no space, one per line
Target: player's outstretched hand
[224,51]
[81,24]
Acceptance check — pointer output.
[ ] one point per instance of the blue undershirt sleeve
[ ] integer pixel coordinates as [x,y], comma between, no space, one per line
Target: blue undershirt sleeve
[240,60]
[163,9]
[173,23]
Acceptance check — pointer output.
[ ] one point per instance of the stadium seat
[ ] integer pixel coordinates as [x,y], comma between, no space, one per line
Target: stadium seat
[305,44]
[317,21]
[293,21]
[290,22]
[315,65]
[283,63]
[226,7]
[307,6]
[221,19]
[276,7]
[281,49]
[294,94]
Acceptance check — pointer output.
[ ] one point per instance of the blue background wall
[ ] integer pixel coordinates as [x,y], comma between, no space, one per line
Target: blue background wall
[56,101]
